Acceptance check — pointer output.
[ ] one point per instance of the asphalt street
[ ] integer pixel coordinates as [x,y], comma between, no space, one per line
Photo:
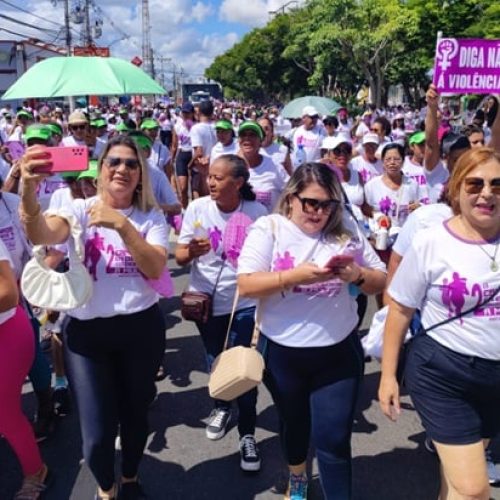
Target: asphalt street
[180,463]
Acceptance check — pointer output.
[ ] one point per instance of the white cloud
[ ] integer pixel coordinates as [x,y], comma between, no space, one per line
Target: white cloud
[254,13]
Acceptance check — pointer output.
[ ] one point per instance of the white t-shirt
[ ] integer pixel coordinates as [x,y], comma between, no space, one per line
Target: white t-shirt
[69,140]
[277,152]
[315,315]
[219,150]
[60,199]
[183,135]
[353,189]
[11,231]
[366,169]
[436,179]
[424,217]
[268,181]
[311,140]
[162,189]
[119,287]
[443,274]
[4,255]
[203,135]
[393,203]
[416,172]
[205,269]
[47,187]
[160,155]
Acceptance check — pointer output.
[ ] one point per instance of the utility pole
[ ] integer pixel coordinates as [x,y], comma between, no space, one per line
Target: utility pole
[87,33]
[146,39]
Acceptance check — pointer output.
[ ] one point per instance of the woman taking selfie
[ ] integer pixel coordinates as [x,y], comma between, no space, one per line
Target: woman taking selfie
[111,370]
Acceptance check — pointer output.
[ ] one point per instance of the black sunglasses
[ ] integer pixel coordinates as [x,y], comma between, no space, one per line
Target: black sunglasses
[78,127]
[342,150]
[474,185]
[115,162]
[312,205]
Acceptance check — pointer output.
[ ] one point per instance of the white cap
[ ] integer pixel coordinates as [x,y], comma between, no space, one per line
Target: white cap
[310,111]
[399,116]
[370,139]
[331,142]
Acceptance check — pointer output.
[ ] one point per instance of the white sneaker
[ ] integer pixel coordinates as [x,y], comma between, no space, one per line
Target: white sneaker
[250,459]
[217,424]
[493,472]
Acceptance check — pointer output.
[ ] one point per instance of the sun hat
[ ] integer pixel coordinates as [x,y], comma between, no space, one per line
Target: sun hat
[77,117]
[331,142]
[370,139]
[91,173]
[224,125]
[310,111]
[417,138]
[41,132]
[149,124]
[253,126]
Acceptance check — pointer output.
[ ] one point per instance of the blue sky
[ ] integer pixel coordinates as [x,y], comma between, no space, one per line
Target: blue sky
[187,34]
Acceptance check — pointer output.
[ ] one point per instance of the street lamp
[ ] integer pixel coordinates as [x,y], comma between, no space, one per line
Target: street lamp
[281,10]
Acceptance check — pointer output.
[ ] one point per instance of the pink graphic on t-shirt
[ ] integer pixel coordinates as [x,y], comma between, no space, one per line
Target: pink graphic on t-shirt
[264,197]
[120,262]
[285,262]
[453,294]
[93,249]
[234,236]
[365,175]
[215,237]
[8,238]
[385,205]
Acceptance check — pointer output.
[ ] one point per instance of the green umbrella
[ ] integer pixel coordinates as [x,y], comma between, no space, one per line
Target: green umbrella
[76,76]
[323,105]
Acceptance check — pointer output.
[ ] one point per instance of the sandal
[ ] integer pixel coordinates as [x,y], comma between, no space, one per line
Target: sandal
[33,486]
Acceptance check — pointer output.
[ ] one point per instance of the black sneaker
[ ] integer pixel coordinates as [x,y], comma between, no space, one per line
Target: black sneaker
[250,460]
[217,424]
[131,491]
[62,403]
[44,424]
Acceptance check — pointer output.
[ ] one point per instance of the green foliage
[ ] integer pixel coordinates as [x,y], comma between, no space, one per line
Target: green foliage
[334,47]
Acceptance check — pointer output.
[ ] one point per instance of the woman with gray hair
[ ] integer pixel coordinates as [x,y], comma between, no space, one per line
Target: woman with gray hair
[111,369]
[301,263]
[213,271]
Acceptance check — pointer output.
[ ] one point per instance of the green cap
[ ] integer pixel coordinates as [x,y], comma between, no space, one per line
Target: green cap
[100,122]
[122,127]
[41,132]
[123,110]
[91,173]
[224,125]
[253,126]
[142,140]
[417,138]
[149,124]
[55,128]
[24,114]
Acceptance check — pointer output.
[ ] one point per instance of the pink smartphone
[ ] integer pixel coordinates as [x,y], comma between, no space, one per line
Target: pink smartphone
[66,159]
[339,261]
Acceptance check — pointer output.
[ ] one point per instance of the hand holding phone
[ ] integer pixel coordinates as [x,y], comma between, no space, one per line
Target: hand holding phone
[338,261]
[65,159]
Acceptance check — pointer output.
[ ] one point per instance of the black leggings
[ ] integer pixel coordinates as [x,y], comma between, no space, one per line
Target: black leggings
[112,364]
[315,390]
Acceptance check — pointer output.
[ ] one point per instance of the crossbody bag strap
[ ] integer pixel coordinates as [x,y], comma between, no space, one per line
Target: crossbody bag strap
[464,313]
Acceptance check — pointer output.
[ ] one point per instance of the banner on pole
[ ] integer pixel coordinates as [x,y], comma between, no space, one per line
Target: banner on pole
[467,66]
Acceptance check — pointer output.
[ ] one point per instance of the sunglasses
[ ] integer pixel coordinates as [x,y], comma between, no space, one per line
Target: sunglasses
[311,205]
[78,127]
[115,162]
[342,150]
[474,185]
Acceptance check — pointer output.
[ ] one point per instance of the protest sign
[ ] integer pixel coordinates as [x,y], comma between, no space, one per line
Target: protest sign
[467,66]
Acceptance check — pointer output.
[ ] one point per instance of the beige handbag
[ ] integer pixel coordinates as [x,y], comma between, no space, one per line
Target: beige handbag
[236,370]
[44,287]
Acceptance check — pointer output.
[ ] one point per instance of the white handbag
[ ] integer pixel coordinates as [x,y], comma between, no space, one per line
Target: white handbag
[46,288]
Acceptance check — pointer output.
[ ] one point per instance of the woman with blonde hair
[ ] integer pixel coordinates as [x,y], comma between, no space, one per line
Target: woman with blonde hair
[301,263]
[114,343]
[452,371]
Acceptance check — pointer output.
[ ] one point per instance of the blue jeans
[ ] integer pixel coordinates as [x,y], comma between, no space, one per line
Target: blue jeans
[213,334]
[315,390]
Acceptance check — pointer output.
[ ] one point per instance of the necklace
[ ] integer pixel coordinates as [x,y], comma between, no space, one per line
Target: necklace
[494,264]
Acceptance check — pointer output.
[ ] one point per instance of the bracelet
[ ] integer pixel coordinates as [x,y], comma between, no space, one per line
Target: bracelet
[359,282]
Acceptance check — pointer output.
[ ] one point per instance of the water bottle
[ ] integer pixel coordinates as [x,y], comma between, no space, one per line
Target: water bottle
[200,234]
[300,156]
[381,238]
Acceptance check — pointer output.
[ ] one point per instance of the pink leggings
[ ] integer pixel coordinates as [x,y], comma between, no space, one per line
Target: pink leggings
[16,356]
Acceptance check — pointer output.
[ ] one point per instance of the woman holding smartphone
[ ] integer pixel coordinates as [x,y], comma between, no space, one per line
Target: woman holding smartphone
[314,365]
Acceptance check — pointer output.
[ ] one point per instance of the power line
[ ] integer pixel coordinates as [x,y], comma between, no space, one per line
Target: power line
[24,35]
[22,23]
[31,14]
